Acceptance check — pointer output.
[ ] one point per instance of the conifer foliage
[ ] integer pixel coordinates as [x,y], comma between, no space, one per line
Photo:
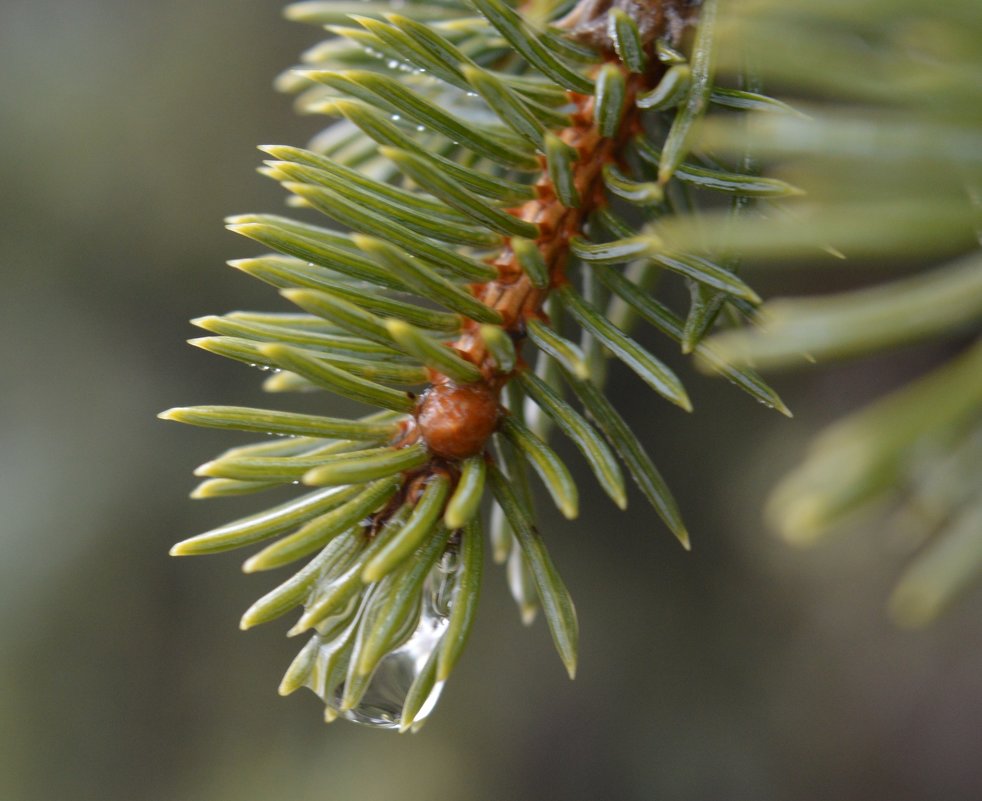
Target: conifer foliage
[491,184]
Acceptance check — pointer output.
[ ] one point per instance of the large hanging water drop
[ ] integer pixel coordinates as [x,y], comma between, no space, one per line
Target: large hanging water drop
[409,669]
[383,702]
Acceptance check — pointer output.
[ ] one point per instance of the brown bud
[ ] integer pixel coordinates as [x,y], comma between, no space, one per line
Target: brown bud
[588,21]
[457,420]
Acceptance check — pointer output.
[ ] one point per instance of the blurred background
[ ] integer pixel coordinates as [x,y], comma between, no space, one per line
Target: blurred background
[742,670]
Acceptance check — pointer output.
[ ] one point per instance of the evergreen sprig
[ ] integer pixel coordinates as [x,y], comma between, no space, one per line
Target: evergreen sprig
[495,167]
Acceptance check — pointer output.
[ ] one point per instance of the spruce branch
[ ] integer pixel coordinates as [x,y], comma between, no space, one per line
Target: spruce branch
[493,167]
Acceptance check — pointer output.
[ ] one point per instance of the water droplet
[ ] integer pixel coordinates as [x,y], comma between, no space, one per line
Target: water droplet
[472,94]
[395,118]
[420,128]
[392,64]
[382,704]
[447,569]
